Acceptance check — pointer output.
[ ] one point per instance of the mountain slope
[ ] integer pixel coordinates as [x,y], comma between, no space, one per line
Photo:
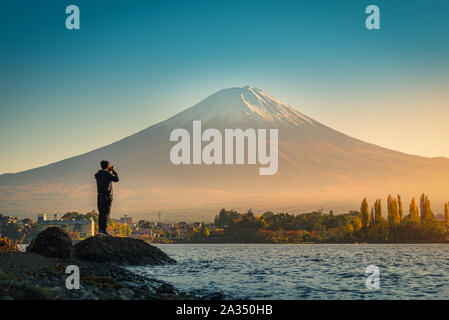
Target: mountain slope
[318,167]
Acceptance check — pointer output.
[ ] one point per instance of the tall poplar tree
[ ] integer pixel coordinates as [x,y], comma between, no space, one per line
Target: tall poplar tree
[393,216]
[378,211]
[413,211]
[446,213]
[401,210]
[426,211]
[393,211]
[364,215]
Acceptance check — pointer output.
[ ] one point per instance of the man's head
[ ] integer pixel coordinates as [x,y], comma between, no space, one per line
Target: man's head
[104,164]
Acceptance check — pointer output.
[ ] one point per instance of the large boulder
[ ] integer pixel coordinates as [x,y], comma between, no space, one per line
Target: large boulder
[123,251]
[52,242]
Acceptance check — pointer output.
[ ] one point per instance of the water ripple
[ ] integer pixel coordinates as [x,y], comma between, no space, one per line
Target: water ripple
[269,271]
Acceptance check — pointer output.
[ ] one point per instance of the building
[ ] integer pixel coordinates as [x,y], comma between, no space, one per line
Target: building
[85,228]
[41,218]
[145,231]
[166,227]
[127,220]
[181,230]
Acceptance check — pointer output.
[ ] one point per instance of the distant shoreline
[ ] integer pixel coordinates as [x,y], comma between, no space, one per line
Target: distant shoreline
[22,247]
[352,242]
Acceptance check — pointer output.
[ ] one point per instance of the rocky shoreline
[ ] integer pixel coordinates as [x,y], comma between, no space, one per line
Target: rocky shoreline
[36,277]
[40,273]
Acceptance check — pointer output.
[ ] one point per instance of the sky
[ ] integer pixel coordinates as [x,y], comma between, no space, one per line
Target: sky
[135,63]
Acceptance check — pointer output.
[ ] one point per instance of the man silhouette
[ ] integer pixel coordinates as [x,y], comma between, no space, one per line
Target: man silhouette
[104,178]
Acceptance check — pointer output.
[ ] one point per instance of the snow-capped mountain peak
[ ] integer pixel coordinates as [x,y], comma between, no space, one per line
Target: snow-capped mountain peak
[236,106]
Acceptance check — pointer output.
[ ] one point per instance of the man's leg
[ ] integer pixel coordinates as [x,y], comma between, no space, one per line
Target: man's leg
[100,214]
[104,209]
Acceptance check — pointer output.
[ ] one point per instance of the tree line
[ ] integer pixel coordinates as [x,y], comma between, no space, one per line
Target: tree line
[419,224]
[366,225]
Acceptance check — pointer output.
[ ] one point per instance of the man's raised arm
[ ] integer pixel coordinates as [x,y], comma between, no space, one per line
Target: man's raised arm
[114,176]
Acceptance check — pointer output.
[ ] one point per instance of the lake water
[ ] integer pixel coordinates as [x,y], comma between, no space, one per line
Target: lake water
[306,271]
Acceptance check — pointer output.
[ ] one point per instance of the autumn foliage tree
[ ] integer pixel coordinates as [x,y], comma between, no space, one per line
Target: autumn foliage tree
[364,215]
[426,211]
[413,214]
[446,214]
[393,214]
[378,229]
[378,211]
[363,225]
[400,208]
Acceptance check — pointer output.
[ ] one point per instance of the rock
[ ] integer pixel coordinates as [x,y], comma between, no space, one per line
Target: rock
[89,296]
[166,288]
[5,283]
[123,251]
[129,284]
[126,292]
[139,292]
[52,242]
[214,296]
[57,290]
[110,296]
[97,291]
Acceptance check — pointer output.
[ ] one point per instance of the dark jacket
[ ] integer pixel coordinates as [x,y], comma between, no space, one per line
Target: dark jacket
[104,182]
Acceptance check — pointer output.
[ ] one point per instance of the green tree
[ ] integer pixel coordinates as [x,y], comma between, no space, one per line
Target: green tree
[72,215]
[27,221]
[226,218]
[91,214]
